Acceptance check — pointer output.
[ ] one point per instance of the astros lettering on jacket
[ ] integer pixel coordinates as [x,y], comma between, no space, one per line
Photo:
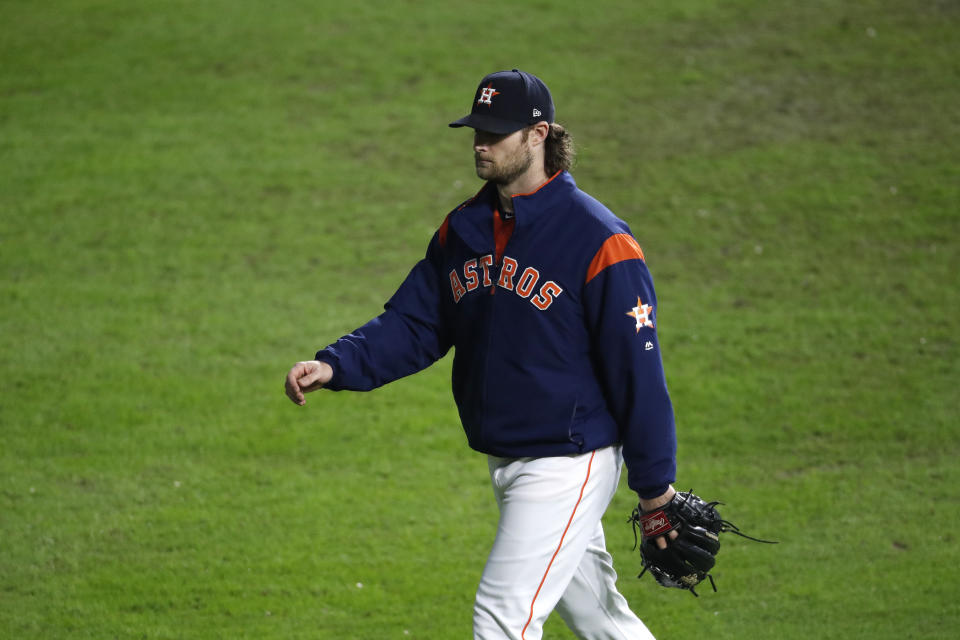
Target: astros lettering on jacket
[525,285]
[556,349]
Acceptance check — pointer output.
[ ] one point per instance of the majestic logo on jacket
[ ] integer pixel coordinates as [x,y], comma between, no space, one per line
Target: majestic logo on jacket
[642,313]
[477,274]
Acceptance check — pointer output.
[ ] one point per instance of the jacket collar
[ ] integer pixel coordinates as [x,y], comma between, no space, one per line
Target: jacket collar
[473,220]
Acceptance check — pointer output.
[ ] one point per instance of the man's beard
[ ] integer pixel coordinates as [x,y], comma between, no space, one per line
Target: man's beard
[510,169]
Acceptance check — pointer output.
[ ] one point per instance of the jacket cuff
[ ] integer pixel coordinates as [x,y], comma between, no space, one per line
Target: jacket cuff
[335,382]
[648,493]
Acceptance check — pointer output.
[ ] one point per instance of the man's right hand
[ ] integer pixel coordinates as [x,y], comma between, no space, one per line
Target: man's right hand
[305,377]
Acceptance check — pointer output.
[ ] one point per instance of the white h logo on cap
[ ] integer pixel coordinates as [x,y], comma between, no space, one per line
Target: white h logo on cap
[486,94]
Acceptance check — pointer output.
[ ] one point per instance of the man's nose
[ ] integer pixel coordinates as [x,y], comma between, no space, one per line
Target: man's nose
[482,140]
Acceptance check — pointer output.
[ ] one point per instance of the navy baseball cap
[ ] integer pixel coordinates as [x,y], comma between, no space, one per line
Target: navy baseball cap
[508,101]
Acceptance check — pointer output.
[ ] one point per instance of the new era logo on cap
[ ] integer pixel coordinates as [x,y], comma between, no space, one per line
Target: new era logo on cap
[522,99]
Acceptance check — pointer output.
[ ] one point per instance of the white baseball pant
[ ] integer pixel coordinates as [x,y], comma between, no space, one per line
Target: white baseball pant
[549,552]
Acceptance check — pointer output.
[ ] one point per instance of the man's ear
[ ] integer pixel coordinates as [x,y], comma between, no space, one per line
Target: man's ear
[539,132]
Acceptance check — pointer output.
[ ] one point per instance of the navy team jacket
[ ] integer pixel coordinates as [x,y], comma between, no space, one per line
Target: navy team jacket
[554,327]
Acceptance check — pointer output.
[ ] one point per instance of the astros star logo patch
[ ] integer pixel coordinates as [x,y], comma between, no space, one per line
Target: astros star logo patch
[486,94]
[642,314]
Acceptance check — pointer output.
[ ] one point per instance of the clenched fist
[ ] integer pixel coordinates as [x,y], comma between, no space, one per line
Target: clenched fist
[305,377]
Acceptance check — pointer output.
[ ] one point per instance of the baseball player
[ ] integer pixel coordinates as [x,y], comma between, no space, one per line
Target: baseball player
[546,299]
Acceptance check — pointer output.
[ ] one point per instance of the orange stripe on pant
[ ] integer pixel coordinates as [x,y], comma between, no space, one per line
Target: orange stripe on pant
[559,546]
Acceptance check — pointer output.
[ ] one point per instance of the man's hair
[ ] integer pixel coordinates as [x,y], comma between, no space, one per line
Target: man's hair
[558,150]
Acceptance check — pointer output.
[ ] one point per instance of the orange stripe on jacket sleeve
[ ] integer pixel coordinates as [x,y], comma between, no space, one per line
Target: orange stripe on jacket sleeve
[616,248]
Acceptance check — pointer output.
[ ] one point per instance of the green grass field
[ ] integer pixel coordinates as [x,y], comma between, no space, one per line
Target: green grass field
[195,195]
